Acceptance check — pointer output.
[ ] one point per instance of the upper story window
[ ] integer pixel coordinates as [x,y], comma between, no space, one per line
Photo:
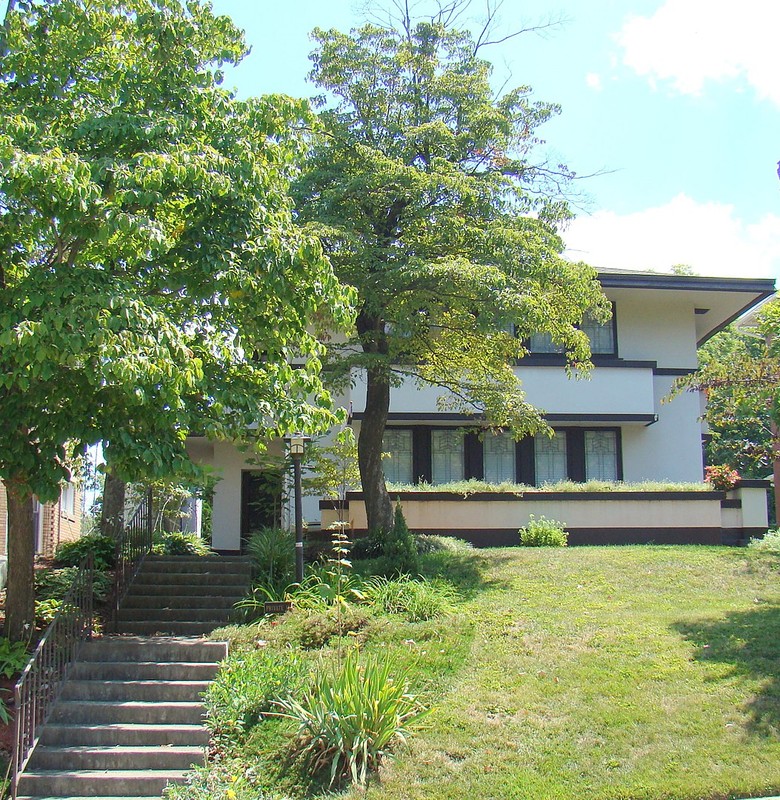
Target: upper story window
[601,334]
[397,445]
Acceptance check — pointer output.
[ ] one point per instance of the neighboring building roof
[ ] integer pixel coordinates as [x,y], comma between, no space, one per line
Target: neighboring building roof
[717,301]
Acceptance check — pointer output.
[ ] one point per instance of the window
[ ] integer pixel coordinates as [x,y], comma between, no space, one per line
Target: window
[543,343]
[68,500]
[601,335]
[601,456]
[550,458]
[397,444]
[499,458]
[446,456]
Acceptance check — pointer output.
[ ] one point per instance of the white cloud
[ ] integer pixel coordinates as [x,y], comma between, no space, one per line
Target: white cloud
[593,81]
[692,41]
[709,237]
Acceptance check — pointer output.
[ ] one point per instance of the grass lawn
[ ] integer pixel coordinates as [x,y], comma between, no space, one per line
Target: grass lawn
[604,673]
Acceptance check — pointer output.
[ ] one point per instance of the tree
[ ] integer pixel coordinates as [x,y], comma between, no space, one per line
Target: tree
[426,198]
[739,421]
[741,379]
[152,280]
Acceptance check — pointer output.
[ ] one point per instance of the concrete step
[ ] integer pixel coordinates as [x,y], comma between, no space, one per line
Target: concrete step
[92,783]
[124,734]
[181,601]
[155,648]
[174,614]
[163,628]
[171,580]
[154,589]
[122,757]
[93,712]
[127,691]
[144,670]
[198,566]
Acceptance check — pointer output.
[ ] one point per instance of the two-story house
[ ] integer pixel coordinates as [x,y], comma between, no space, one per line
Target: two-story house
[615,425]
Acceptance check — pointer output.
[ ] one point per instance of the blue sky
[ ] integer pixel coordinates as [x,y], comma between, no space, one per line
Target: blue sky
[676,102]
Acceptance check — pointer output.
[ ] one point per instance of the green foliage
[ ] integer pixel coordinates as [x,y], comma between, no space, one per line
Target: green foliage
[768,543]
[53,584]
[176,543]
[430,202]
[543,532]
[272,551]
[46,611]
[245,688]
[352,716]
[416,598]
[332,469]
[428,543]
[13,657]
[315,628]
[399,547]
[102,548]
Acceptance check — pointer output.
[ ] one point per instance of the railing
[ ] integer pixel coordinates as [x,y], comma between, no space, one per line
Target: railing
[133,545]
[41,682]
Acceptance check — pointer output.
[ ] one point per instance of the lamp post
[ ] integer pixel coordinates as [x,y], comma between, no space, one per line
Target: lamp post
[296,443]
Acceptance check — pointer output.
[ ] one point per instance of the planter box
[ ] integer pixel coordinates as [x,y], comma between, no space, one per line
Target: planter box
[484,518]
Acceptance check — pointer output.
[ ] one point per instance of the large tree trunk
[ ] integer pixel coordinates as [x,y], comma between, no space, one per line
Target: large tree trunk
[20,593]
[379,509]
[112,516]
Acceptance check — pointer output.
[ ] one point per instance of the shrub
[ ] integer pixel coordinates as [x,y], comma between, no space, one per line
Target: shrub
[71,554]
[272,551]
[13,657]
[176,543]
[417,599]
[768,543]
[351,718]
[53,584]
[400,546]
[245,688]
[721,477]
[312,631]
[428,543]
[543,532]
[368,546]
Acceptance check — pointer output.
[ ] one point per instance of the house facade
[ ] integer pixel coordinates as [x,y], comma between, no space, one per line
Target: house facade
[617,424]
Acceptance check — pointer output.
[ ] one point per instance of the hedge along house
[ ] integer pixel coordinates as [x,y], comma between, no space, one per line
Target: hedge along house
[612,426]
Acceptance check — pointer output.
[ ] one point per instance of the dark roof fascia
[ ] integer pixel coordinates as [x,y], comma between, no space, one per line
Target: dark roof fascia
[620,280]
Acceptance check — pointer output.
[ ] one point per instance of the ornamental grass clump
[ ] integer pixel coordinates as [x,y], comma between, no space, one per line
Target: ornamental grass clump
[416,598]
[352,717]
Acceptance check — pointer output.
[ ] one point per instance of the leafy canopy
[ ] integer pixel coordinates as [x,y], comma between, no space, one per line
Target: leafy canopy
[429,204]
[153,283]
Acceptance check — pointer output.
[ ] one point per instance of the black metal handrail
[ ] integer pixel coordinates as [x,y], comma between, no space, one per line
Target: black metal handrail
[133,545]
[38,688]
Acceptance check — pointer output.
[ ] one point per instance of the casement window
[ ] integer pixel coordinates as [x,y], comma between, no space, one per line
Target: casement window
[602,336]
[424,453]
[447,462]
[550,458]
[397,446]
[601,455]
[499,458]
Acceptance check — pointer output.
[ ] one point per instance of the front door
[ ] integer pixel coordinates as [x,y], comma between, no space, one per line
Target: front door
[261,501]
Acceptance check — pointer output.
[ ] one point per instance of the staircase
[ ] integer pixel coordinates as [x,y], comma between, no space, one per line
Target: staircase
[128,722]
[182,595]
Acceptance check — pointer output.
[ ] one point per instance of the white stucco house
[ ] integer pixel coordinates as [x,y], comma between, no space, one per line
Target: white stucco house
[613,426]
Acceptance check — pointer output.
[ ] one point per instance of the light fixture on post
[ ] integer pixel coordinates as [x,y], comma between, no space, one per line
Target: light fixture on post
[296,445]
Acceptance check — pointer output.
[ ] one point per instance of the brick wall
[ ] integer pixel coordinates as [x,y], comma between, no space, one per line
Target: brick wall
[59,523]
